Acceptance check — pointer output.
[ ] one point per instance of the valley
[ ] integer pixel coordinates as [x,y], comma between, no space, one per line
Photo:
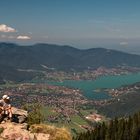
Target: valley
[78,104]
[72,95]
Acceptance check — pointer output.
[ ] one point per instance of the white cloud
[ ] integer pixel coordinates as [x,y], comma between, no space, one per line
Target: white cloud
[123,43]
[23,37]
[4,28]
[15,37]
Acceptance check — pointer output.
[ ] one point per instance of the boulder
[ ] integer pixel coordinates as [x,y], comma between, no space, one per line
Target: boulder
[19,112]
[19,115]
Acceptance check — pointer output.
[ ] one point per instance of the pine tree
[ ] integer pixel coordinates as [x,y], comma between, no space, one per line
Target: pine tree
[117,129]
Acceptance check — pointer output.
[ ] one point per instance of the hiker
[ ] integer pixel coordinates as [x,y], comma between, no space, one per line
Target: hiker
[5,106]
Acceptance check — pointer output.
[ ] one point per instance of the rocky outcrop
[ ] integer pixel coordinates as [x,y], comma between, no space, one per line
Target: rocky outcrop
[15,131]
[18,129]
[19,115]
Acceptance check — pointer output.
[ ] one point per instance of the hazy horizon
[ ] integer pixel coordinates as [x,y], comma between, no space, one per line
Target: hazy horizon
[81,24]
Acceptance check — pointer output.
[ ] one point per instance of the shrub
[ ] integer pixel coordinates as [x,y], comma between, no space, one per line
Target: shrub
[35,113]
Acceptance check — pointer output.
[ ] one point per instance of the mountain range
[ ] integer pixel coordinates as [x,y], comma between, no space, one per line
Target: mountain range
[42,56]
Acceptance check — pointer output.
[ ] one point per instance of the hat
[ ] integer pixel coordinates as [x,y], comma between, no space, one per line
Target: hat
[5,97]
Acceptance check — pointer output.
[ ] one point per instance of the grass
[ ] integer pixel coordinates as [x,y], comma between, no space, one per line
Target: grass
[73,126]
[78,120]
[55,132]
[49,111]
[87,112]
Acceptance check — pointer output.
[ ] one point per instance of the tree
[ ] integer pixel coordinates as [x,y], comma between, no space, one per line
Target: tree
[117,129]
[35,113]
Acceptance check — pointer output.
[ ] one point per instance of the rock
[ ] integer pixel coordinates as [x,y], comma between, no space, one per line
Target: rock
[41,136]
[21,119]
[14,131]
[17,129]
[19,112]
[13,136]
[19,115]
[24,126]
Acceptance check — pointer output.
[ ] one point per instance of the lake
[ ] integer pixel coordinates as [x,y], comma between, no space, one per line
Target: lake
[91,89]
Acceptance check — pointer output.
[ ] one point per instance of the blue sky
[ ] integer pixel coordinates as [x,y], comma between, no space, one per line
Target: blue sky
[81,23]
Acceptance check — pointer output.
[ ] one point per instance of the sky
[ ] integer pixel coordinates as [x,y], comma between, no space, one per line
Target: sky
[83,24]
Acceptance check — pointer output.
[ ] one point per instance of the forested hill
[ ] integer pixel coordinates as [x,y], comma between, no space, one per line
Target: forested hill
[62,57]
[117,129]
[41,56]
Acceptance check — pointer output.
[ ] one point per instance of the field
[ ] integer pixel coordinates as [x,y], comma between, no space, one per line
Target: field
[76,123]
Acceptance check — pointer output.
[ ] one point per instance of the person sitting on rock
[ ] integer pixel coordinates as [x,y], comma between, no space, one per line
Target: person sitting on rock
[5,106]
